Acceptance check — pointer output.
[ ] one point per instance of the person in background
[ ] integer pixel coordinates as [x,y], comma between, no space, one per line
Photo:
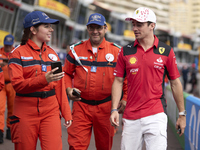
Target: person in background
[8,93]
[40,93]
[91,64]
[145,63]
[193,79]
[1,79]
[185,71]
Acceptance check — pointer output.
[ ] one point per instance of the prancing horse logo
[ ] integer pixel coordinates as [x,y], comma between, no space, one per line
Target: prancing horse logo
[161,50]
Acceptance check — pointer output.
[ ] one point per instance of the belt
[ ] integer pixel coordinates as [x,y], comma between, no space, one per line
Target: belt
[6,82]
[93,102]
[43,94]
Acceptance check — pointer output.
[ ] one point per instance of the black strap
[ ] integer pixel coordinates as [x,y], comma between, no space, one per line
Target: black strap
[93,102]
[6,82]
[43,94]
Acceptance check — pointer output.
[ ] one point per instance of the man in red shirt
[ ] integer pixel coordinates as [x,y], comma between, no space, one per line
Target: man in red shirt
[7,93]
[145,62]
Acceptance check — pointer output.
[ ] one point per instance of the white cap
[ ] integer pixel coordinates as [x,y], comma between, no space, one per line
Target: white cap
[143,14]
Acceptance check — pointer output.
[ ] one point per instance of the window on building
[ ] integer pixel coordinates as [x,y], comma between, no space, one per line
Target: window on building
[82,15]
[19,27]
[120,27]
[78,36]
[64,1]
[54,37]
[6,17]
[31,2]
[67,37]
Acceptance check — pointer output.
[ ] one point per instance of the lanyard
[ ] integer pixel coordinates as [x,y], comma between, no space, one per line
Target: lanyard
[77,58]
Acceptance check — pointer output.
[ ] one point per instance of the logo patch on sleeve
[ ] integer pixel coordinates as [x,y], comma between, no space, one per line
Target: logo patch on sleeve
[26,58]
[53,57]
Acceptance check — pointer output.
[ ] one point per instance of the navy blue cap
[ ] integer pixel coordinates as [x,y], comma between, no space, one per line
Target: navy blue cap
[36,17]
[96,18]
[9,40]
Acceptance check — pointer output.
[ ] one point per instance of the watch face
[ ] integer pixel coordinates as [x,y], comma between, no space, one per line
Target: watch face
[185,112]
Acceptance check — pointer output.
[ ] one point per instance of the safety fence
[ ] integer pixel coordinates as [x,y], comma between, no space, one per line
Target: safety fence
[191,138]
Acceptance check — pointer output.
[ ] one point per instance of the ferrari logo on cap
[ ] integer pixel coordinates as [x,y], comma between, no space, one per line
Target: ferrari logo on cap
[161,50]
[137,11]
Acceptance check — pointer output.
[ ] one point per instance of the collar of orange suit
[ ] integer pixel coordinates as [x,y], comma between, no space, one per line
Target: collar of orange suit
[35,47]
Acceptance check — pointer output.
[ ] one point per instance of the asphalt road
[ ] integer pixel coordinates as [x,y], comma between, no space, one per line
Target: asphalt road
[173,143]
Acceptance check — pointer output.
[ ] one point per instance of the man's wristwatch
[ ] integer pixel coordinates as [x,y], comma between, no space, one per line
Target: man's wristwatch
[183,113]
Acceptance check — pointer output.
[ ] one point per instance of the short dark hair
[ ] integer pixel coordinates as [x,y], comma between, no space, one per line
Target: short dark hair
[149,22]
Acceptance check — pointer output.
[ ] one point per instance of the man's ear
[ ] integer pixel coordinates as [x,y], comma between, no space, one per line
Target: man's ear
[106,28]
[153,25]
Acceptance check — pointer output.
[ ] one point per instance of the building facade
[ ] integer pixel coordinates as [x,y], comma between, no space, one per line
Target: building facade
[177,22]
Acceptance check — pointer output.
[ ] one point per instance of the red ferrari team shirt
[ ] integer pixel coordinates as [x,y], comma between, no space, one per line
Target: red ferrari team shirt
[145,71]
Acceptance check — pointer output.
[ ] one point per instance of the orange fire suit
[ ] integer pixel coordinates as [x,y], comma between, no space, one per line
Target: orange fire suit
[93,111]
[7,94]
[1,79]
[37,104]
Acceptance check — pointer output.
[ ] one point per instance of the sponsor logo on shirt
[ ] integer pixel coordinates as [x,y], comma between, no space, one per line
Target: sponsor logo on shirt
[161,50]
[159,60]
[133,60]
[134,71]
[115,72]
[129,46]
[159,63]
[175,60]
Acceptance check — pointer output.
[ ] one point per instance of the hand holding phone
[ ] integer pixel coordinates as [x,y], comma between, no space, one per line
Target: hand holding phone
[56,64]
[76,93]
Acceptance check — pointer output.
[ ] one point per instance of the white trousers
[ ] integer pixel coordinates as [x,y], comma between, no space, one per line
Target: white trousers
[152,130]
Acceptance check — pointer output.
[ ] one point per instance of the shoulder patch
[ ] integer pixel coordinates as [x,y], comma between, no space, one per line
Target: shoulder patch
[163,49]
[78,43]
[129,49]
[116,45]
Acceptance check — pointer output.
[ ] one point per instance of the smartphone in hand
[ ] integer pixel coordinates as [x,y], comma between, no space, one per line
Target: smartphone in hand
[179,130]
[56,64]
[76,93]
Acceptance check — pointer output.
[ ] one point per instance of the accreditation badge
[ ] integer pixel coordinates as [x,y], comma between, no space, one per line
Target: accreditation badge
[44,68]
[93,69]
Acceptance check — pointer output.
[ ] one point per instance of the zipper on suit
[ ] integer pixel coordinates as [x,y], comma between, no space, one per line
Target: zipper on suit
[40,55]
[86,80]
[38,105]
[40,58]
[103,80]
